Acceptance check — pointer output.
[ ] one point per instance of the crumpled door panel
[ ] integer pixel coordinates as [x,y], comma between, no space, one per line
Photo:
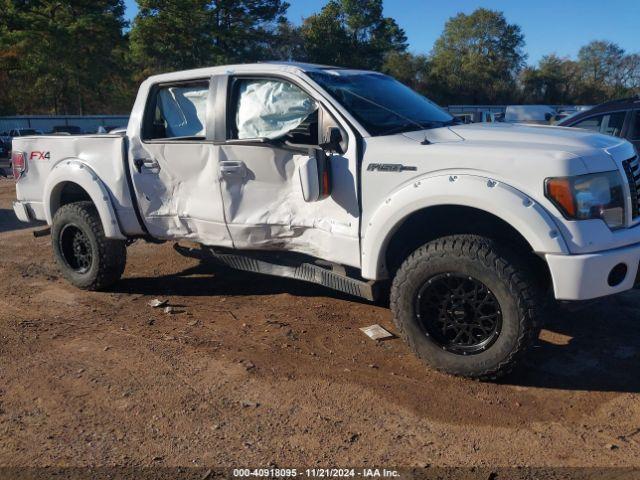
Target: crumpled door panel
[265,208]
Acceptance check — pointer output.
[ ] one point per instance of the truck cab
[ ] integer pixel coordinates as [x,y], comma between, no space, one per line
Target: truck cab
[349,179]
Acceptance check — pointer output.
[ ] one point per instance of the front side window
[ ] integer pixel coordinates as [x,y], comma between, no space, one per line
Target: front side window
[380,103]
[609,124]
[592,123]
[273,109]
[178,112]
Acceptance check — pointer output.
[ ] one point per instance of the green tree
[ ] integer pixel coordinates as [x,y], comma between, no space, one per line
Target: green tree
[600,61]
[607,71]
[180,34]
[555,81]
[477,58]
[62,57]
[410,69]
[352,33]
[286,43]
[170,35]
[245,30]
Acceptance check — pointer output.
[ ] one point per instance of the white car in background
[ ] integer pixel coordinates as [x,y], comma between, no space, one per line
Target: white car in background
[534,114]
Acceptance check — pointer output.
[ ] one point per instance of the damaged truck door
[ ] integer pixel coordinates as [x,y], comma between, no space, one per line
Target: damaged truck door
[173,167]
[273,171]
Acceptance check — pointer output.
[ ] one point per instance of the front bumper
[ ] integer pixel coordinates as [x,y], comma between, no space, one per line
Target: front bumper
[583,277]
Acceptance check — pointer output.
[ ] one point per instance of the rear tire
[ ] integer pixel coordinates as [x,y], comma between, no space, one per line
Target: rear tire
[87,258]
[467,306]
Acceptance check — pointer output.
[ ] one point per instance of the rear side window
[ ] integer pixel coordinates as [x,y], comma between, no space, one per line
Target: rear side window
[177,112]
[609,123]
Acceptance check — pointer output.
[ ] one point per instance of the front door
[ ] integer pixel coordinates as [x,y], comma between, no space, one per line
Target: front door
[273,125]
[173,165]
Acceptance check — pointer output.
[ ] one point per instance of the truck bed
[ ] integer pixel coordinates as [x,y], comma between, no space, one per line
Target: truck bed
[102,155]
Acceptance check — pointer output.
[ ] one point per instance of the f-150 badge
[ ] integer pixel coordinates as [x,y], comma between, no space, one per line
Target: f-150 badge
[390,167]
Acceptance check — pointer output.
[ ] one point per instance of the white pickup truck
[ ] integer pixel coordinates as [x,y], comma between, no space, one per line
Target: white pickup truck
[351,180]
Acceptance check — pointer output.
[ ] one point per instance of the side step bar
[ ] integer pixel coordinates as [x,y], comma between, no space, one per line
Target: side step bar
[280,265]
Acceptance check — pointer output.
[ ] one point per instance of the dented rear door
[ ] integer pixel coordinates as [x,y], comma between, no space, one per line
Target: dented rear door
[173,164]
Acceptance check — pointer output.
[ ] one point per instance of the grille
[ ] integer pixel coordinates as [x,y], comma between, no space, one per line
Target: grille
[632,169]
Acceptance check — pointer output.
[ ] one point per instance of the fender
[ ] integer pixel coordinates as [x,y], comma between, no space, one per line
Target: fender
[499,199]
[76,171]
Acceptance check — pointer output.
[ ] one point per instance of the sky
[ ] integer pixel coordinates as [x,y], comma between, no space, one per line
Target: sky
[549,26]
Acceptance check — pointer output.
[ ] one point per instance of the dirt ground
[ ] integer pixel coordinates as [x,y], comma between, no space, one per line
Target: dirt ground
[256,371]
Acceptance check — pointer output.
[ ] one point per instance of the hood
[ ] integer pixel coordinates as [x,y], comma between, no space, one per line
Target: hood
[518,139]
[558,138]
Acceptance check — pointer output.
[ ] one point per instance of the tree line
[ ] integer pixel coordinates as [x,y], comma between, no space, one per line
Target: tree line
[83,57]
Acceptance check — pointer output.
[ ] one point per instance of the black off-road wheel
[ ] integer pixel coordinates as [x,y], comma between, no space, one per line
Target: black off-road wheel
[87,258]
[467,306]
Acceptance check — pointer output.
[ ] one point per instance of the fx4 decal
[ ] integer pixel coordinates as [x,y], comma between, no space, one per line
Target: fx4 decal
[390,167]
[40,156]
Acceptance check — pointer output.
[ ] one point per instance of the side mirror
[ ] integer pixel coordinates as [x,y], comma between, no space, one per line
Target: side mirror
[314,174]
[332,141]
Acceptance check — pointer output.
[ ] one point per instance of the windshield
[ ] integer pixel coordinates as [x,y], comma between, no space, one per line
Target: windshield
[380,103]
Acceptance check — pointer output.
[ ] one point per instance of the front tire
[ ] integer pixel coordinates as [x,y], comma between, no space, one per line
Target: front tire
[467,306]
[87,258]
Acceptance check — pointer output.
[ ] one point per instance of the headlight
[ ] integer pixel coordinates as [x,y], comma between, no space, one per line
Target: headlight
[584,197]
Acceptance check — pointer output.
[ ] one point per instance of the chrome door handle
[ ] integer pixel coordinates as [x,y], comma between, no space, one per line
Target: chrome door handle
[233,168]
[148,163]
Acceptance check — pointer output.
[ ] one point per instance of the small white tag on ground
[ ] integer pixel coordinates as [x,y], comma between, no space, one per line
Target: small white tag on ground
[155,303]
[376,332]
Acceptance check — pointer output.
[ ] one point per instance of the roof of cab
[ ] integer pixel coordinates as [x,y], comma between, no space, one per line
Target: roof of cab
[240,68]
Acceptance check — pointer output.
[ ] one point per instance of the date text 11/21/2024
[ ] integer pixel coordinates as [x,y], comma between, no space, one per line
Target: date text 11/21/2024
[315,472]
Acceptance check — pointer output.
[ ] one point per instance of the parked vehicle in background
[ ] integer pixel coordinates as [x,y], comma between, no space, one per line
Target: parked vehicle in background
[464,118]
[537,114]
[620,118]
[23,132]
[107,128]
[5,145]
[68,129]
[349,179]
[567,112]
[481,116]
[5,159]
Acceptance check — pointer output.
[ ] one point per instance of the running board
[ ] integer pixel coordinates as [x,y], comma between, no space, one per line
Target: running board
[278,266]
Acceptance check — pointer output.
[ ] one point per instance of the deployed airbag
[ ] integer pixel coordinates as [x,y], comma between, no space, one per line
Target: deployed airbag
[184,110]
[271,108]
